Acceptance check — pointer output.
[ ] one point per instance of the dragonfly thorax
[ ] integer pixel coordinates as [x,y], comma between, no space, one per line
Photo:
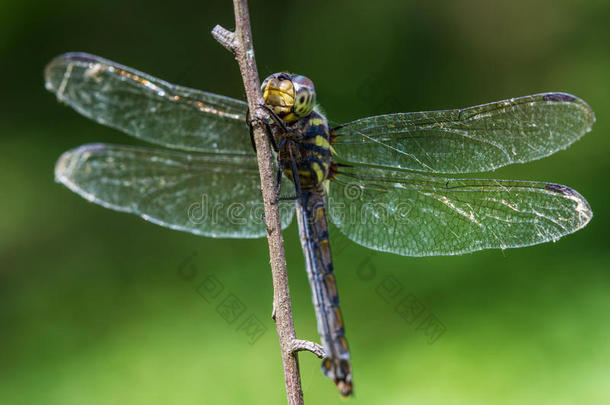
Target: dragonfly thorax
[305,148]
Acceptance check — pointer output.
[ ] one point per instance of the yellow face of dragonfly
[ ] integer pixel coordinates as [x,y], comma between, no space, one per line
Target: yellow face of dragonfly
[289,96]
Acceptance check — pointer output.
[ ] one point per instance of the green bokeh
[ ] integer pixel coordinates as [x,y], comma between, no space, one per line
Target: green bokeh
[93,307]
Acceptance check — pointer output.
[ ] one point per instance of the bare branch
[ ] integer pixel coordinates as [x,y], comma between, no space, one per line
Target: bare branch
[240,43]
[299,345]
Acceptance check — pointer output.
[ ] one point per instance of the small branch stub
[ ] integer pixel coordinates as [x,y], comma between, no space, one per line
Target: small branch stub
[299,345]
[225,37]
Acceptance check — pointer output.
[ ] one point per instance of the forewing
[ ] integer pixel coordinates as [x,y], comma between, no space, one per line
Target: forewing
[148,108]
[467,140]
[418,215]
[212,195]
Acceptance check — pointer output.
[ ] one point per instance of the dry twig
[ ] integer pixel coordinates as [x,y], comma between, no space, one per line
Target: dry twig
[240,44]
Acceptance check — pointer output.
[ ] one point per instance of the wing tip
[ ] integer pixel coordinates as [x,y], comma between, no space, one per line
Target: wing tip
[585,213]
[569,98]
[64,164]
[54,71]
[50,82]
[67,161]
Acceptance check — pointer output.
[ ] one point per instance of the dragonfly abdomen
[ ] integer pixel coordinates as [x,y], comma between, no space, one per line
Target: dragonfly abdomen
[316,246]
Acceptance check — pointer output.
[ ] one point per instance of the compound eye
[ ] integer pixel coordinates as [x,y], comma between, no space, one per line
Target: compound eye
[305,96]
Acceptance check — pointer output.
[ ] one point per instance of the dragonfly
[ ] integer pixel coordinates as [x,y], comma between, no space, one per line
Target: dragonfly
[387,182]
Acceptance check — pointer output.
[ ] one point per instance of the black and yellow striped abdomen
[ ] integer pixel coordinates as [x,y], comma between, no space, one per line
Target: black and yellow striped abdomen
[313,228]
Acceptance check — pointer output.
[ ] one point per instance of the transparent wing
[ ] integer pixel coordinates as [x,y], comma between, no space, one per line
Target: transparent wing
[148,108]
[467,140]
[212,195]
[418,215]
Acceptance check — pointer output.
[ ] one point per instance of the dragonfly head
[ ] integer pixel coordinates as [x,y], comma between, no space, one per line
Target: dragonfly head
[290,96]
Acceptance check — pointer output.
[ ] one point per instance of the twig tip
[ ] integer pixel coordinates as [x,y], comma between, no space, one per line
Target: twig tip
[225,37]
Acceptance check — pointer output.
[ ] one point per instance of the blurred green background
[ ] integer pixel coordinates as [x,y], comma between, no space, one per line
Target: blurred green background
[94,304]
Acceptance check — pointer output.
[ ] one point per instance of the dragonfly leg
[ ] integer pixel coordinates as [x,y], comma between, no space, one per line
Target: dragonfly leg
[297,183]
[280,171]
[279,183]
[250,128]
[278,121]
[268,132]
[291,198]
[295,176]
[278,178]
